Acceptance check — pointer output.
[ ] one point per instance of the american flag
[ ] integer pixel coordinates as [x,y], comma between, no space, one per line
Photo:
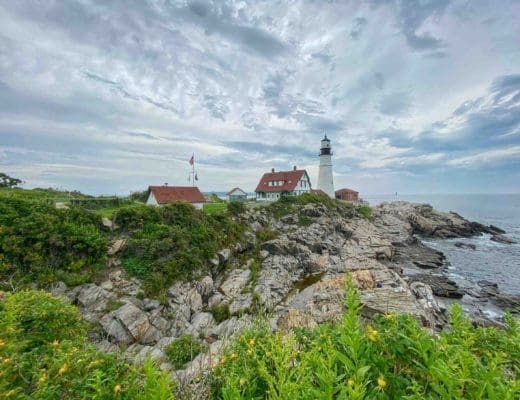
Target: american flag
[192,159]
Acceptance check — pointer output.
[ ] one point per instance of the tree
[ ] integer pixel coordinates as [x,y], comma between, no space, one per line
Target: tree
[8,182]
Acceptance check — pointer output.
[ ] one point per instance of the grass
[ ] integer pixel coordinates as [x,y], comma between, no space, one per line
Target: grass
[107,212]
[215,208]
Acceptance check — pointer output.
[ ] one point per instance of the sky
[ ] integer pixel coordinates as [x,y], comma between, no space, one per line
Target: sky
[108,97]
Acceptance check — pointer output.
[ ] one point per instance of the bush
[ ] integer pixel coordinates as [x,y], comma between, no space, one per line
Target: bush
[172,242]
[220,312]
[365,211]
[236,208]
[183,350]
[389,358]
[44,355]
[266,234]
[35,319]
[39,242]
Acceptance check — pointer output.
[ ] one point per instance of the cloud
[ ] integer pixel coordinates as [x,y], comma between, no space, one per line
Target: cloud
[488,157]
[358,26]
[407,91]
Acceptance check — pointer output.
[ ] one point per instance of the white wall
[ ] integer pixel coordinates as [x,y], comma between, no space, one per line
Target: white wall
[151,201]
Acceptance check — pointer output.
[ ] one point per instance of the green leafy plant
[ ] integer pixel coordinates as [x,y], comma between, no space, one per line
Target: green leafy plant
[44,355]
[220,312]
[391,357]
[182,350]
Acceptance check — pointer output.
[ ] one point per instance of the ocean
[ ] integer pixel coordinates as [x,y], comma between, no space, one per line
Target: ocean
[491,261]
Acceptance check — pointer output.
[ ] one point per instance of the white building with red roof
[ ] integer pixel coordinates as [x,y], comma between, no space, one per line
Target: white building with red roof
[161,195]
[274,184]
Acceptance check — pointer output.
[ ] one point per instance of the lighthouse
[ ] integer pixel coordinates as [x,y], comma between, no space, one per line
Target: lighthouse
[325,181]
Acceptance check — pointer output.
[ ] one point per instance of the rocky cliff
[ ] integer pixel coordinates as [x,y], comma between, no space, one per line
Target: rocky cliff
[290,269]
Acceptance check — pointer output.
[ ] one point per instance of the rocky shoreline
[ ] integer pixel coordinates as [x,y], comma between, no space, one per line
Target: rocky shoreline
[294,279]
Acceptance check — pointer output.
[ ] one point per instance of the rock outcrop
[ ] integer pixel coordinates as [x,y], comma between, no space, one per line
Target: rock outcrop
[296,278]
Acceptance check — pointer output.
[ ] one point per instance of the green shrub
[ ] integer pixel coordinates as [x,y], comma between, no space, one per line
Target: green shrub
[183,350]
[44,355]
[365,211]
[304,220]
[35,318]
[391,357]
[236,208]
[220,312]
[40,242]
[172,242]
[266,234]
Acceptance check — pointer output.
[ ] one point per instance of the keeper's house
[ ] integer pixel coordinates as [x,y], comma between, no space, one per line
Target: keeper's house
[161,195]
[273,184]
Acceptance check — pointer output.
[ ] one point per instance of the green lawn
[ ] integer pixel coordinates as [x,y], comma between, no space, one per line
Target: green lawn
[212,208]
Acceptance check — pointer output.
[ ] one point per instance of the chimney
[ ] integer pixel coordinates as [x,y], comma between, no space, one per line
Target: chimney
[294,168]
[272,170]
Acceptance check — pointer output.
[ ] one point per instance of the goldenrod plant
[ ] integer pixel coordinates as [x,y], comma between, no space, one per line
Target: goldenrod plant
[44,355]
[391,357]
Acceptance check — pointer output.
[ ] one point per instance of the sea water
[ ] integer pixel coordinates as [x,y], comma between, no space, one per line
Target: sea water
[491,261]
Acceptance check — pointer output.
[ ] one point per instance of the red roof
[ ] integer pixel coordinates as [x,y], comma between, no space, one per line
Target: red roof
[289,178]
[167,194]
[345,190]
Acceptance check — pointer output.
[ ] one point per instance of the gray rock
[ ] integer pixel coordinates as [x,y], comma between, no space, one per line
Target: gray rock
[224,255]
[236,281]
[149,305]
[205,287]
[241,303]
[59,289]
[93,297]
[129,323]
[217,298]
[499,238]
[153,353]
[195,300]
[116,247]
[201,321]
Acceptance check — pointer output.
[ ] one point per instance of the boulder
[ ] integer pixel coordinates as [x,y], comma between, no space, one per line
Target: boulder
[201,321]
[500,238]
[205,287]
[93,298]
[116,247]
[129,323]
[236,281]
[463,245]
[224,255]
[241,303]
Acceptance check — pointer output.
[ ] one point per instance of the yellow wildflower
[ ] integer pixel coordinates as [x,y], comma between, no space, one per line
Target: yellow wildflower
[252,342]
[381,383]
[249,352]
[56,343]
[117,389]
[233,356]
[351,382]
[373,335]
[223,360]
[2,343]
[63,369]
[242,381]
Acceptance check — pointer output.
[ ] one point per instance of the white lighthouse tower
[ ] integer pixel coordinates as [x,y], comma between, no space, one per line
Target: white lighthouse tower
[325,181]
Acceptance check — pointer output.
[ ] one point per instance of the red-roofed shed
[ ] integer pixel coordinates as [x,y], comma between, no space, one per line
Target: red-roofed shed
[160,195]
